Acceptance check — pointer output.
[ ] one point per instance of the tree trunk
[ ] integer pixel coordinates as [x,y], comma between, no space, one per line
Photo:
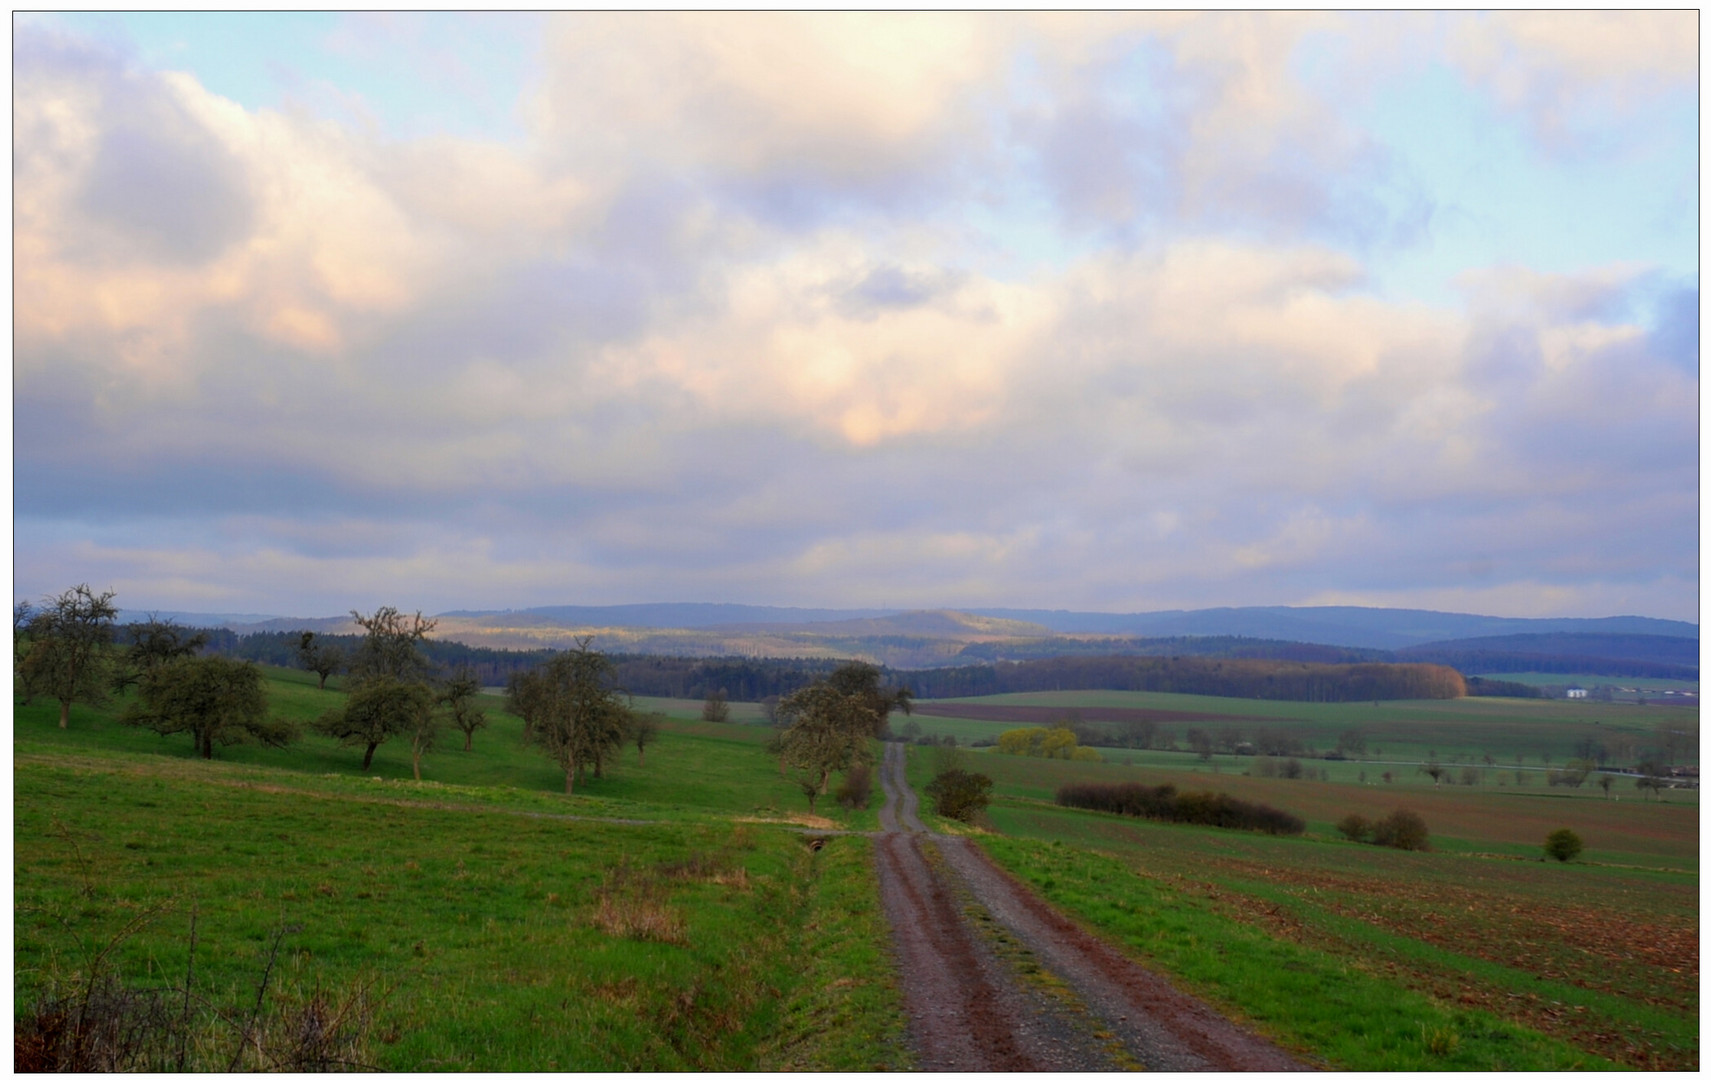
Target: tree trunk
[368,757]
[206,738]
[323,676]
[570,781]
[416,765]
[640,753]
[65,714]
[825,780]
[467,736]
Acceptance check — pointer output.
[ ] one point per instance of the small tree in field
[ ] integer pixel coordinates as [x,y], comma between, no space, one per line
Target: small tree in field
[571,712]
[214,698]
[379,709]
[322,659]
[714,710]
[458,697]
[1563,845]
[68,656]
[389,689]
[644,730]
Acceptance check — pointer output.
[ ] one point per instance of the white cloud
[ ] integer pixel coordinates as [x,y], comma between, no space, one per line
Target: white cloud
[621,362]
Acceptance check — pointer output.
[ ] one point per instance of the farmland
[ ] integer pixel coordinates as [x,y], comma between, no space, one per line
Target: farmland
[479,910]
[1602,954]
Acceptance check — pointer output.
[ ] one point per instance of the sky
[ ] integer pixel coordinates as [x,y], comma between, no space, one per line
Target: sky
[1094,311]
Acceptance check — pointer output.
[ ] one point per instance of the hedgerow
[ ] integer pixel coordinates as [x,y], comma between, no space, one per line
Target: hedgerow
[1165,803]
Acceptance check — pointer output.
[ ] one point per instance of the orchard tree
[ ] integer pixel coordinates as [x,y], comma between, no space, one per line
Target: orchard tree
[571,712]
[458,696]
[216,699]
[861,681]
[68,657]
[828,730]
[321,658]
[389,694]
[153,644]
[391,646]
[378,709]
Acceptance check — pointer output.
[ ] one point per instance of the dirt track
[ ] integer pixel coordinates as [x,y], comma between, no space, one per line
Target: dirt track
[1028,990]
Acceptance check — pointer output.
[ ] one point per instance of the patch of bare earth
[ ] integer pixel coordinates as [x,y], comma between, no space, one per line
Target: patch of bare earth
[995,979]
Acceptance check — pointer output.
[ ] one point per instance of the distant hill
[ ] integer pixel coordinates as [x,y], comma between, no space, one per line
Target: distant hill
[675,616]
[930,639]
[1634,655]
[1352,627]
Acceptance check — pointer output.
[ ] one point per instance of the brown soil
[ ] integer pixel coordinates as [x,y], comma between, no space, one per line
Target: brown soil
[1029,990]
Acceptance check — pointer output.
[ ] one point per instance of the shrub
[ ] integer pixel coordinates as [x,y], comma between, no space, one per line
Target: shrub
[1355,827]
[1402,829]
[959,794]
[857,788]
[1563,845]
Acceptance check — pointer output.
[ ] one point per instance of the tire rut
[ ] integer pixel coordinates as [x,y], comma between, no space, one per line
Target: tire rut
[1030,990]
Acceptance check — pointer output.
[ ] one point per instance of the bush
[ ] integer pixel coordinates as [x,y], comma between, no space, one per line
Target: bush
[857,788]
[959,794]
[1402,829]
[1563,845]
[1355,827]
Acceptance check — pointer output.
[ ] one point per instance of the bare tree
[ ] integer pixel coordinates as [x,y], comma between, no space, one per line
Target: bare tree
[322,659]
[714,710]
[68,656]
[644,729]
[458,696]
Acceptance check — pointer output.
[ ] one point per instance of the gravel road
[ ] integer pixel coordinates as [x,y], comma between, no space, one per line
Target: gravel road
[995,979]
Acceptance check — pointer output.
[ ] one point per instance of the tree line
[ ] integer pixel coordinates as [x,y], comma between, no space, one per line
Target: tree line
[1263,679]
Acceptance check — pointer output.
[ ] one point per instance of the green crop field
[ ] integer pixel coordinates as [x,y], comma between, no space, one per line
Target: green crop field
[667,918]
[1477,955]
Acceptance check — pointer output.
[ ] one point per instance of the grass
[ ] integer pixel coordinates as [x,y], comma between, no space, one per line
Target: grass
[669,919]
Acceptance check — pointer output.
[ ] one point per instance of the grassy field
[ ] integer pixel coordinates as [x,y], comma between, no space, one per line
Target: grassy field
[1464,730]
[1477,955]
[671,918]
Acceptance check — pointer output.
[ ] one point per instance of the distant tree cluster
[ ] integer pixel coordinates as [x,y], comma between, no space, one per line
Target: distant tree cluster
[1165,803]
[1044,742]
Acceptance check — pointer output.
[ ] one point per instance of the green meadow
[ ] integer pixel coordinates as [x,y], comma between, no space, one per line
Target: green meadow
[672,917]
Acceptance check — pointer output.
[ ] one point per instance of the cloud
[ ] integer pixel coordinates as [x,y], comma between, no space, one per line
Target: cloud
[1572,73]
[724,327]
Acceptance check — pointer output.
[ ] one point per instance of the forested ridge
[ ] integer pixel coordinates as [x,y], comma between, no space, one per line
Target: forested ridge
[755,679]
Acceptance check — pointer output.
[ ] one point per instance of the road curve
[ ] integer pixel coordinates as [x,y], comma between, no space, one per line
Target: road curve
[973,1010]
